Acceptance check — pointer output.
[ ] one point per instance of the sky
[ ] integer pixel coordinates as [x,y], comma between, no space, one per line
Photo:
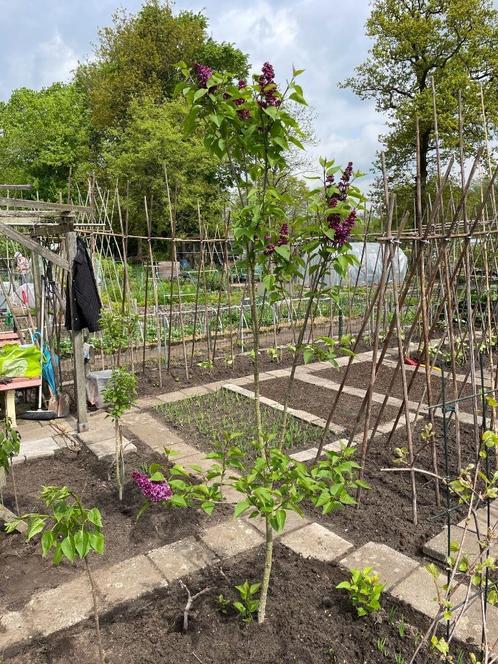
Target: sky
[43,40]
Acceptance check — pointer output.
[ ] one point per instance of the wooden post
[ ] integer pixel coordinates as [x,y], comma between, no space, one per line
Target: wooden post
[77,338]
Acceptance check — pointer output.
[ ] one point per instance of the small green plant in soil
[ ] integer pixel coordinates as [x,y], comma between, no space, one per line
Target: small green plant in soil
[381,645]
[364,590]
[10,444]
[119,395]
[68,530]
[247,604]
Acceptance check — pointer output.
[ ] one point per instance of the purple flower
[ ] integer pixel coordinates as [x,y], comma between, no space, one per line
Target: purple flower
[242,84]
[153,491]
[203,73]
[244,113]
[268,88]
[267,73]
[342,228]
[269,249]
[284,235]
[342,186]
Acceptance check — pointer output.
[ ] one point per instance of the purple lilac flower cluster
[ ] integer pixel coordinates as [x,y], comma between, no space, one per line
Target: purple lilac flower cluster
[268,88]
[342,228]
[153,491]
[283,238]
[203,73]
[243,113]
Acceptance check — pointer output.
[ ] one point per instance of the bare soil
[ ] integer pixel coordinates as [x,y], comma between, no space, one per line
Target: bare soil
[24,571]
[359,374]
[318,401]
[308,621]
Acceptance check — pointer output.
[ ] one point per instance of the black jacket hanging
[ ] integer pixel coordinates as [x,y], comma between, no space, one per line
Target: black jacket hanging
[84,298]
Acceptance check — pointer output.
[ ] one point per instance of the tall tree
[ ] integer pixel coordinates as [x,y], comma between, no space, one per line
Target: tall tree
[454,43]
[152,141]
[45,134]
[138,54]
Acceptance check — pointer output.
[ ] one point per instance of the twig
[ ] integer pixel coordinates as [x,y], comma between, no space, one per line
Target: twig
[197,657]
[190,600]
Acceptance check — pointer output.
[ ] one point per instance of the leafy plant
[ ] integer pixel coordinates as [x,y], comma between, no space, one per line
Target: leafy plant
[364,590]
[381,646]
[273,353]
[69,530]
[119,395]
[10,445]
[205,364]
[247,605]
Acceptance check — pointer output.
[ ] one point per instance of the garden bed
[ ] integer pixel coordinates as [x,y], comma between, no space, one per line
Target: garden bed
[24,571]
[308,621]
[203,421]
[359,376]
[318,401]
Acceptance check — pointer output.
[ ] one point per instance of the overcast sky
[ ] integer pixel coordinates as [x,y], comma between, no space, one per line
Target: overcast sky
[42,41]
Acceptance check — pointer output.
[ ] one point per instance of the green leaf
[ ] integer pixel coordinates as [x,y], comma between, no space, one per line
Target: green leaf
[68,549]
[97,542]
[157,477]
[94,517]
[35,526]
[241,507]
[200,93]
[81,543]
[47,542]
[283,251]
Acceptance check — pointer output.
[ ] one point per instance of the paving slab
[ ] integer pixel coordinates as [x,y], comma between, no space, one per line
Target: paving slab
[127,581]
[107,447]
[305,455]
[419,591]
[231,495]
[181,558]
[243,380]
[197,459]
[303,415]
[437,546]
[34,434]
[58,608]
[171,397]
[97,431]
[146,403]
[315,541]
[214,387]
[279,373]
[469,626]
[158,436]
[391,566]
[233,387]
[13,629]
[231,538]
[38,449]
[194,391]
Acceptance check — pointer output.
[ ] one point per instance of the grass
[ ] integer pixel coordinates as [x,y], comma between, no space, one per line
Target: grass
[216,415]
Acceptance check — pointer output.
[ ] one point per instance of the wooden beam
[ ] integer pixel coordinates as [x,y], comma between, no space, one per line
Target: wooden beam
[17,187]
[77,338]
[43,205]
[33,246]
